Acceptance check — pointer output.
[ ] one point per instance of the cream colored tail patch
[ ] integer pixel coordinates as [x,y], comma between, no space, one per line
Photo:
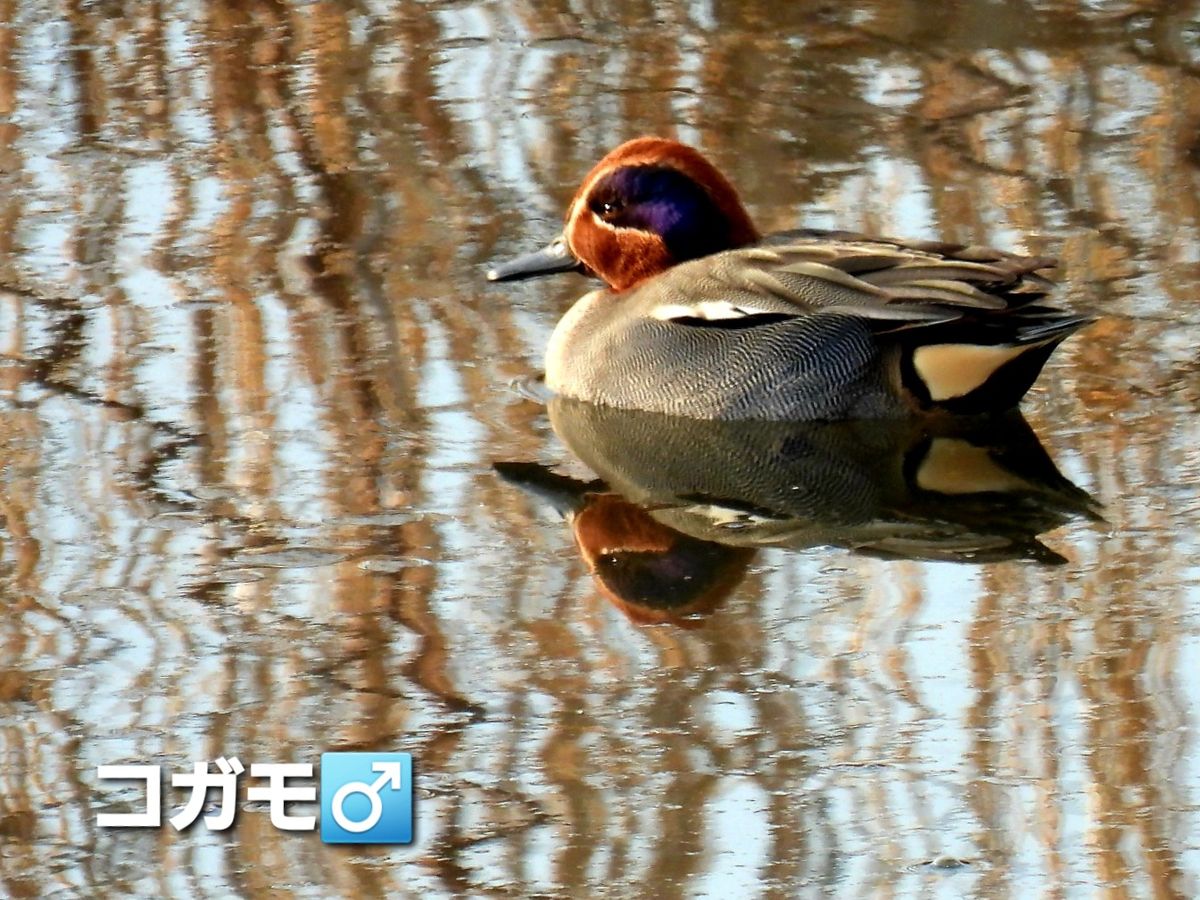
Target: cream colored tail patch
[953,466]
[954,370]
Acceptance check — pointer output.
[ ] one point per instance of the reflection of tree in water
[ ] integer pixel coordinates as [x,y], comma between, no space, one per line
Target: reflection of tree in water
[241,315]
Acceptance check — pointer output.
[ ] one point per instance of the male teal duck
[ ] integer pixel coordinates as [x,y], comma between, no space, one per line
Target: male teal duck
[706,318]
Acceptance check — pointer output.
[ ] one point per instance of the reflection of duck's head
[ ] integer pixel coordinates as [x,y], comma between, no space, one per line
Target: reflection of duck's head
[708,319]
[649,571]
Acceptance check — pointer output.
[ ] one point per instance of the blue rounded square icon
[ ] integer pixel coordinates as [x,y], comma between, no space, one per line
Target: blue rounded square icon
[366,798]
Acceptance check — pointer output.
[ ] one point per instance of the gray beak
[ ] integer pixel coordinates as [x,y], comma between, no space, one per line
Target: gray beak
[551,259]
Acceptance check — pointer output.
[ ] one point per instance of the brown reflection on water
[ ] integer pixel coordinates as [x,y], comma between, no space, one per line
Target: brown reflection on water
[252,384]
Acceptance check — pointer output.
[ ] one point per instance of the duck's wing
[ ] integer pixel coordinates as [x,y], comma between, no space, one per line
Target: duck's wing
[881,279]
[966,325]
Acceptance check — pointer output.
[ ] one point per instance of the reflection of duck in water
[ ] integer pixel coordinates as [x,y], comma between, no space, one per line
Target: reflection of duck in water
[679,496]
[650,571]
[956,490]
[705,318]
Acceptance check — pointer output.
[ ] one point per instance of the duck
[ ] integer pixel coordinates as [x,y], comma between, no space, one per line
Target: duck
[703,316]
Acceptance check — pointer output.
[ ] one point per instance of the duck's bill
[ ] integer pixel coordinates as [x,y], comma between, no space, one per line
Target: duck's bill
[551,259]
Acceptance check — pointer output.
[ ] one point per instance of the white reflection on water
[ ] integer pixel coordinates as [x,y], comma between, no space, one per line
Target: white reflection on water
[738,842]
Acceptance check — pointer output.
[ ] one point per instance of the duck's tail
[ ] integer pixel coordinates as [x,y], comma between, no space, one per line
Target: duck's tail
[969,367]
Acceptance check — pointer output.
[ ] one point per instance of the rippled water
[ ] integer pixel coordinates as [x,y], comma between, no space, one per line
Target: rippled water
[253,385]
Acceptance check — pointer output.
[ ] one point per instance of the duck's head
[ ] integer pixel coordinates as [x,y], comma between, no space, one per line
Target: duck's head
[647,205]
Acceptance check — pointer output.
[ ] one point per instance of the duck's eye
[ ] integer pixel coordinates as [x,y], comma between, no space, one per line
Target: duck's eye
[608,209]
